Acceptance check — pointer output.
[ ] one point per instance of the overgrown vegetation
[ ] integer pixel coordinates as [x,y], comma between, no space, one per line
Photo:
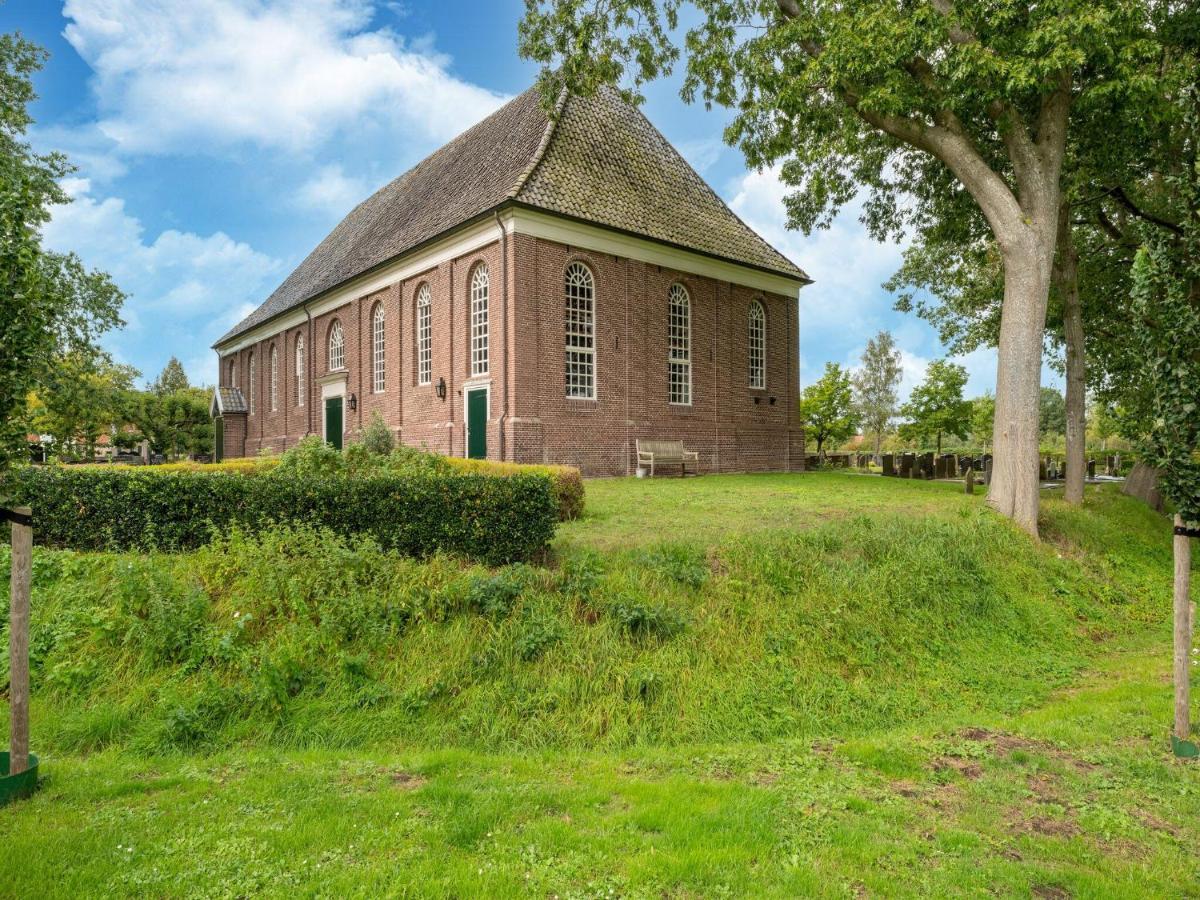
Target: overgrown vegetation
[298,637]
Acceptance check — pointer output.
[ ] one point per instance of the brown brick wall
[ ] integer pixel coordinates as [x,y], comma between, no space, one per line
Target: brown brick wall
[530,419]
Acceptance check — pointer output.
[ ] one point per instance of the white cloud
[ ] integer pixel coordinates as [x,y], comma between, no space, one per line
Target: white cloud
[184,289]
[331,191]
[284,74]
[847,266]
[846,304]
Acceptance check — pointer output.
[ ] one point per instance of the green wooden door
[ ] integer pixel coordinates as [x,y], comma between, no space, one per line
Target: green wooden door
[218,439]
[333,422]
[477,424]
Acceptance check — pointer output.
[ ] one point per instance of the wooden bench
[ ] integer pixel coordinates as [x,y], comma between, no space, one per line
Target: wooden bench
[670,453]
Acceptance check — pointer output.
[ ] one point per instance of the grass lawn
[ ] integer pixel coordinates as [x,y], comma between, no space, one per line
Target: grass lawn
[855,700]
[625,512]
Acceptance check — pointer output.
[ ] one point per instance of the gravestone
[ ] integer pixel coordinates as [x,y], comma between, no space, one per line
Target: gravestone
[987,470]
[1143,484]
[1091,469]
[1042,471]
[889,465]
[927,465]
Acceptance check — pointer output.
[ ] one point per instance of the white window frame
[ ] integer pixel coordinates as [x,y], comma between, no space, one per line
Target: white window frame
[679,346]
[233,372]
[479,320]
[337,346]
[423,322]
[756,345]
[300,370]
[579,332]
[251,379]
[274,378]
[378,349]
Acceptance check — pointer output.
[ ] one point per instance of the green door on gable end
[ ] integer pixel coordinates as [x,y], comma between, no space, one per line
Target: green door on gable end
[333,422]
[477,424]
[218,439]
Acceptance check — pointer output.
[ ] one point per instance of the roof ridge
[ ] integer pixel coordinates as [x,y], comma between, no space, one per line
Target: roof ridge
[540,152]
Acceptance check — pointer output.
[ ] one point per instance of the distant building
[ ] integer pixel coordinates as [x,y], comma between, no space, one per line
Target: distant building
[541,289]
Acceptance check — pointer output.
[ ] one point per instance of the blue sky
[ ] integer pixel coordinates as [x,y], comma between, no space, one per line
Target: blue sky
[217,141]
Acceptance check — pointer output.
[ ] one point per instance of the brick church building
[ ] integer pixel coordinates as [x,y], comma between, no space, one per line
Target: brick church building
[541,289]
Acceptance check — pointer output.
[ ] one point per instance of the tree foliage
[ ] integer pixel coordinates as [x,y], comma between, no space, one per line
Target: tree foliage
[1052,413]
[877,385]
[936,407]
[51,307]
[80,398]
[983,419]
[827,407]
[171,379]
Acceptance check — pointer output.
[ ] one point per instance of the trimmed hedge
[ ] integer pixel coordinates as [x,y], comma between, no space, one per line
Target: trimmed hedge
[491,519]
[568,483]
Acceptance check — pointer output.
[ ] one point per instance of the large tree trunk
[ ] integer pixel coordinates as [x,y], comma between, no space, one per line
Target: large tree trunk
[1068,270]
[1028,260]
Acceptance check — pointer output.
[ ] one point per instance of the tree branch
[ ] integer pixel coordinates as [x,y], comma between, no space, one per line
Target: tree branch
[1123,198]
[958,34]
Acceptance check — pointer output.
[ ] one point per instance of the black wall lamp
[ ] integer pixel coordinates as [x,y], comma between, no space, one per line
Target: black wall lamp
[353,403]
[441,389]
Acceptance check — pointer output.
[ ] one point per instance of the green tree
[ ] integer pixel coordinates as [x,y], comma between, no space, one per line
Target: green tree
[175,424]
[877,385]
[983,419]
[82,397]
[51,307]
[936,406]
[171,379]
[827,407]
[1052,413]
[936,102]
[1161,399]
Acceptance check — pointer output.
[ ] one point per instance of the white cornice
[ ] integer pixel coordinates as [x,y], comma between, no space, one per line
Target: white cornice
[519,220]
[604,240]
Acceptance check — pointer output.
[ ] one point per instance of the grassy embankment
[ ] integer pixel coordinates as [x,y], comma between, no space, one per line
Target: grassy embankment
[817,684]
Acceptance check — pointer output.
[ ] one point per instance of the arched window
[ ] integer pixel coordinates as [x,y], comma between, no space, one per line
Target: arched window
[250,399]
[378,351]
[479,320]
[580,357]
[300,370]
[274,379]
[233,372]
[679,346]
[424,324]
[337,347]
[757,345]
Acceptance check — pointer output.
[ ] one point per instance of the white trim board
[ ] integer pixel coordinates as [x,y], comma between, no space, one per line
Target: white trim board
[519,221]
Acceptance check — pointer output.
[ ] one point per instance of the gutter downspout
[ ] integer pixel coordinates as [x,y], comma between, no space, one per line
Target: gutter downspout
[308,357]
[504,330]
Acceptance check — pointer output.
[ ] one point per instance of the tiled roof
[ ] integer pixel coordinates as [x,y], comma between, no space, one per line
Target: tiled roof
[607,164]
[600,160]
[228,400]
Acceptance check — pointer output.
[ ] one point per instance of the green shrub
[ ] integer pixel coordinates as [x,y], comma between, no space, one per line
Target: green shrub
[495,520]
[376,437]
[568,482]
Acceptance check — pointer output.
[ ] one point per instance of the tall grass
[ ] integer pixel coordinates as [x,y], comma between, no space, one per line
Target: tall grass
[296,637]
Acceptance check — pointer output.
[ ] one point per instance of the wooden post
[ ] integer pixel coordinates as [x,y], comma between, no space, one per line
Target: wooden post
[18,640]
[1183,629]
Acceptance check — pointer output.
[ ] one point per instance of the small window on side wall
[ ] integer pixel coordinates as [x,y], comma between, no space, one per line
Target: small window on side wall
[337,347]
[757,339]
